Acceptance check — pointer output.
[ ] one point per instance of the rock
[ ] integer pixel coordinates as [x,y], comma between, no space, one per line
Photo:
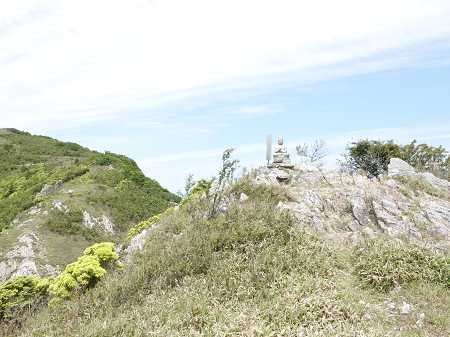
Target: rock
[224,186]
[307,174]
[59,205]
[406,308]
[397,166]
[107,224]
[317,224]
[386,222]
[359,209]
[243,197]
[26,268]
[282,176]
[312,200]
[48,189]
[391,207]
[87,221]
[436,182]
[439,216]
[420,321]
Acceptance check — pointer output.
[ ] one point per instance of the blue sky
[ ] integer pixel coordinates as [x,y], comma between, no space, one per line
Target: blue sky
[173,83]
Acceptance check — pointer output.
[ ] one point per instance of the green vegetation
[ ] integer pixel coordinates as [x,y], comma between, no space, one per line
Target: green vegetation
[86,272]
[251,271]
[64,223]
[371,157]
[27,163]
[383,266]
[23,291]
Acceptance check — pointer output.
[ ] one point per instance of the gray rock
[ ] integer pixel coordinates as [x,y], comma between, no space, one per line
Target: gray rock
[306,174]
[421,321]
[243,197]
[312,200]
[439,216]
[317,224]
[399,167]
[406,308]
[48,189]
[386,222]
[359,209]
[136,243]
[391,207]
[282,176]
[26,268]
[107,224]
[436,182]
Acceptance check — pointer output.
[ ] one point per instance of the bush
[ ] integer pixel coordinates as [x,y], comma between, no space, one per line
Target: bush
[18,292]
[64,222]
[371,157]
[86,272]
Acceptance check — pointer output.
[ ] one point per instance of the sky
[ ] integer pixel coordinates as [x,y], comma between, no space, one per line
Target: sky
[173,83]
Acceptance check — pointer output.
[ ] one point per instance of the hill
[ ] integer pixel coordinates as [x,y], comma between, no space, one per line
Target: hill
[57,198]
[286,250]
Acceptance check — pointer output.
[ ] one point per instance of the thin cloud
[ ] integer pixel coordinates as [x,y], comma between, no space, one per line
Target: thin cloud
[143,55]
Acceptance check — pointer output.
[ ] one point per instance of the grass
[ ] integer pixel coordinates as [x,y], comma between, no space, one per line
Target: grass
[253,272]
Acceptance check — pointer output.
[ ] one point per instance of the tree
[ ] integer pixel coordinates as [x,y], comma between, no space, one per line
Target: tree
[315,152]
[225,174]
[371,157]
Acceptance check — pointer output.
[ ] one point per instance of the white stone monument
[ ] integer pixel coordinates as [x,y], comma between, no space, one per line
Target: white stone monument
[281,155]
[269,148]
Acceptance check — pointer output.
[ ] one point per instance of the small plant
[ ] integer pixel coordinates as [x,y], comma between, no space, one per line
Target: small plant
[225,174]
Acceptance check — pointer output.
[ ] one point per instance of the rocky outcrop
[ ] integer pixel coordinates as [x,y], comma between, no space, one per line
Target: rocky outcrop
[48,189]
[351,206]
[103,223]
[21,260]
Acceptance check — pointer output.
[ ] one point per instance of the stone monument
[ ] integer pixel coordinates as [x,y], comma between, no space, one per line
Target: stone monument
[281,155]
[269,148]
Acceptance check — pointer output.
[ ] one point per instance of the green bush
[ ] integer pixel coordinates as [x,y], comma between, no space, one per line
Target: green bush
[86,272]
[64,222]
[18,292]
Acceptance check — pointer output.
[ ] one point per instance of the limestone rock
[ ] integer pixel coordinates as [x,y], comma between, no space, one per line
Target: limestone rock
[26,268]
[243,197]
[386,222]
[397,166]
[359,209]
[48,189]
[439,215]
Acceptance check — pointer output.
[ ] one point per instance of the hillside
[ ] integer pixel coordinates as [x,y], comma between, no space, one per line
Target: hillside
[57,198]
[286,250]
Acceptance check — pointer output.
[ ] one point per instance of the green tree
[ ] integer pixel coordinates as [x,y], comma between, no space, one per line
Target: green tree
[371,157]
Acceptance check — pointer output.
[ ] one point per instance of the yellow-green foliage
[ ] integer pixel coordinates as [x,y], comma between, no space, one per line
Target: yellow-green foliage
[86,271]
[19,291]
[84,179]
[125,185]
[146,224]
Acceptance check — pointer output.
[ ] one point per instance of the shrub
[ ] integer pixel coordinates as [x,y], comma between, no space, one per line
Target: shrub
[19,292]
[86,272]
[64,223]
[146,224]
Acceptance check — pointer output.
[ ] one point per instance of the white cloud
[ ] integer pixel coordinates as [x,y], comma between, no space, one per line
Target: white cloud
[82,61]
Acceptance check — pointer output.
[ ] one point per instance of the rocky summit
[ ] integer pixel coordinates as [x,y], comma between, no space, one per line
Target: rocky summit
[402,203]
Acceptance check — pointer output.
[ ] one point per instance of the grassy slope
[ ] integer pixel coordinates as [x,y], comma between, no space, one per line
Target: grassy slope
[253,272]
[29,162]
